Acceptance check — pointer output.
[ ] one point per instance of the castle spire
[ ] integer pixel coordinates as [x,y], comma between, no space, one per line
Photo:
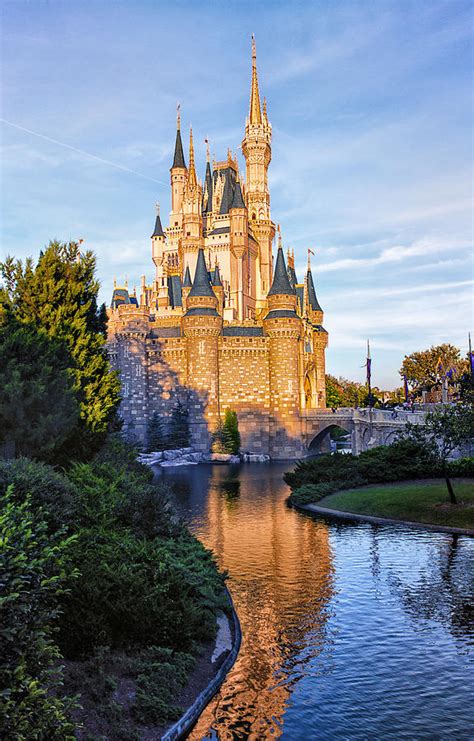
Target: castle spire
[281,284]
[187,278]
[312,298]
[178,160]
[201,284]
[255,111]
[158,230]
[192,179]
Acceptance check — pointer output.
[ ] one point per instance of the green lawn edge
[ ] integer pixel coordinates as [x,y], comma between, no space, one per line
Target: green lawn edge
[423,501]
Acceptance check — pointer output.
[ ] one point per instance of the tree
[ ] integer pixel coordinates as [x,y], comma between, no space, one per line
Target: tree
[446,429]
[38,407]
[426,369]
[58,295]
[155,437]
[231,431]
[178,436]
[35,573]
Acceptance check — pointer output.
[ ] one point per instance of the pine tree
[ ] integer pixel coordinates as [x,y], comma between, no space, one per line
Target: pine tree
[38,408]
[58,295]
[231,431]
[178,436]
[154,434]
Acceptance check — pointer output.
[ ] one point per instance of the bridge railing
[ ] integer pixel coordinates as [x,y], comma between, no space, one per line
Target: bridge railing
[364,414]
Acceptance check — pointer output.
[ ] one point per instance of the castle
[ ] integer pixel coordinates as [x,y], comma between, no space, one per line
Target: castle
[220,326]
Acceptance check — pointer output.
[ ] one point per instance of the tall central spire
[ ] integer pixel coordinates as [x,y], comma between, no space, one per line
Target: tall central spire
[192,180]
[255,110]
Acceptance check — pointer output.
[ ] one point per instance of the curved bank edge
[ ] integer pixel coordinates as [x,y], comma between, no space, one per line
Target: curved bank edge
[184,725]
[336,514]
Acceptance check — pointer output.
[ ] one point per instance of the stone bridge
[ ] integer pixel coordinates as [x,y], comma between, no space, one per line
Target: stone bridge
[368,427]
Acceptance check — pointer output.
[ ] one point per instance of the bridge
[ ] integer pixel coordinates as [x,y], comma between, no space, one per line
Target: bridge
[368,427]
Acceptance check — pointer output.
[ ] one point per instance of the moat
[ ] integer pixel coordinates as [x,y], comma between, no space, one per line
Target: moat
[349,631]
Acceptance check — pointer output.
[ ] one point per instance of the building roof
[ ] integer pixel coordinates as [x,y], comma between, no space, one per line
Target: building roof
[187,278]
[207,195]
[281,284]
[281,314]
[312,299]
[178,160]
[237,201]
[120,296]
[228,193]
[174,291]
[201,285]
[292,276]
[220,230]
[216,277]
[158,230]
[242,331]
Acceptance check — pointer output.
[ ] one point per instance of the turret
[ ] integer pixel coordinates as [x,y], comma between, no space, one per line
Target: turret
[218,289]
[320,336]
[178,176]
[158,239]
[187,284]
[284,327]
[239,242]
[192,239]
[202,326]
[256,148]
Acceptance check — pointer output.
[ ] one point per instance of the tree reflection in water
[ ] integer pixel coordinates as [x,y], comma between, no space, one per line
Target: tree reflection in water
[444,591]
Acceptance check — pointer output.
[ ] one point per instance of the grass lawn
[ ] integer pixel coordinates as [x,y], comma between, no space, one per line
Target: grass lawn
[414,501]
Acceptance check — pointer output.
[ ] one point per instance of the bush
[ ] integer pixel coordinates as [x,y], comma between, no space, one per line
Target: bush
[139,592]
[404,459]
[155,436]
[46,488]
[324,468]
[462,467]
[35,575]
[178,434]
[313,492]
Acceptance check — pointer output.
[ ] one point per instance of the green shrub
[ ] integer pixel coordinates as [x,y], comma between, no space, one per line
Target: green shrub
[309,493]
[35,575]
[342,467]
[178,428]
[404,459]
[462,467]
[155,435]
[46,487]
[139,592]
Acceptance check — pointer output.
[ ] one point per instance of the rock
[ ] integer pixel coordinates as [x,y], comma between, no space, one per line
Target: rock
[178,462]
[170,455]
[255,458]
[223,458]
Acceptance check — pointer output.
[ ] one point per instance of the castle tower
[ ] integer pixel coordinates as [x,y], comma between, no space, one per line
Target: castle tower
[158,242]
[187,285]
[256,148]
[283,327]
[320,337]
[218,289]
[178,176]
[239,243]
[202,326]
[192,239]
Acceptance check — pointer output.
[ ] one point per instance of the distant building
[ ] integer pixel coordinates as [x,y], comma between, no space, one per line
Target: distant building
[221,327]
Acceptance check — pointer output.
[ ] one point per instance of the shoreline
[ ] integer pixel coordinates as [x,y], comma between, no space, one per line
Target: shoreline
[188,720]
[336,514]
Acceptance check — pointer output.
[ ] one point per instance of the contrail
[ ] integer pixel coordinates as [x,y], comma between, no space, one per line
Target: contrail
[81,151]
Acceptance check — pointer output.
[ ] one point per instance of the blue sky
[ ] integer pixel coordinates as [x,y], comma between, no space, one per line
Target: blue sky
[371,107]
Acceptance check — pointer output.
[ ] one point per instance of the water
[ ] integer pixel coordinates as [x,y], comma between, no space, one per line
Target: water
[349,631]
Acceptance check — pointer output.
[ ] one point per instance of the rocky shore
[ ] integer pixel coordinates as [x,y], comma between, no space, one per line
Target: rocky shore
[191,457]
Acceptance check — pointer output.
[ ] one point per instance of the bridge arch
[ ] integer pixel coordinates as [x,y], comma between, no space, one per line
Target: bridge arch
[320,443]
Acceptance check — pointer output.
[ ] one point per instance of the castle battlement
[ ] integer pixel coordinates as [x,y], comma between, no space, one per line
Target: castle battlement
[220,326]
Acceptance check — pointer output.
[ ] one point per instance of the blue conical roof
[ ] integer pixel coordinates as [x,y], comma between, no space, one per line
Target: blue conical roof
[201,284]
[281,284]
[312,299]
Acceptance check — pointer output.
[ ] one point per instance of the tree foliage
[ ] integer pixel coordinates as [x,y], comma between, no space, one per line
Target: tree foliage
[35,574]
[226,438]
[178,431]
[38,407]
[155,436]
[58,296]
[426,369]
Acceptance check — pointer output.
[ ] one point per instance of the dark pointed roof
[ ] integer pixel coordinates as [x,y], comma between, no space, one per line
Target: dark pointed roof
[313,301]
[207,190]
[227,195]
[238,201]
[292,276]
[158,231]
[216,278]
[281,284]
[178,152]
[201,284]
[187,278]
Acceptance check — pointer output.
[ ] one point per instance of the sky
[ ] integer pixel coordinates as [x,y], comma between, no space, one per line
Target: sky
[371,108]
